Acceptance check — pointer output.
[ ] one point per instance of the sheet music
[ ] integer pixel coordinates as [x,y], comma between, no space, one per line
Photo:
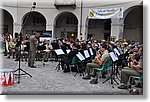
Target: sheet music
[113,56]
[116,51]
[91,51]
[45,38]
[80,58]
[47,50]
[59,52]
[68,50]
[81,55]
[86,53]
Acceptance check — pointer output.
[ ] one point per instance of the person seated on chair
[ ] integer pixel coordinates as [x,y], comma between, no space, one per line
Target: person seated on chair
[12,48]
[68,58]
[133,69]
[48,50]
[99,61]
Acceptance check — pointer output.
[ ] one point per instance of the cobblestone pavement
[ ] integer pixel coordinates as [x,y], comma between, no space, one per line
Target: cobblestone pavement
[46,80]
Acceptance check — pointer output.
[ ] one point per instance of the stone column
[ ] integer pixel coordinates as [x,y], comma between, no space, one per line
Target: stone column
[50,28]
[16,28]
[117,27]
[84,32]
[78,35]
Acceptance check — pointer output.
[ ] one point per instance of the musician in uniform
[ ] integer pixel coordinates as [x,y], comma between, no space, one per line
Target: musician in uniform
[98,63]
[48,50]
[33,47]
[12,48]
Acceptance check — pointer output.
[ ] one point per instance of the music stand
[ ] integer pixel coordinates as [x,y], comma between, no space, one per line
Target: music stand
[81,58]
[68,50]
[59,53]
[114,58]
[91,52]
[86,53]
[117,53]
[19,68]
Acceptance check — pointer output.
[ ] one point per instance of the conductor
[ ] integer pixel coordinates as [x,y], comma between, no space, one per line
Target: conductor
[33,47]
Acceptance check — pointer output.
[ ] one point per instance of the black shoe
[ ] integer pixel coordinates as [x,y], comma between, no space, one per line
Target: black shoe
[104,76]
[94,81]
[65,71]
[29,65]
[93,75]
[86,77]
[122,87]
[138,85]
[8,57]
[45,60]
[33,66]
[16,60]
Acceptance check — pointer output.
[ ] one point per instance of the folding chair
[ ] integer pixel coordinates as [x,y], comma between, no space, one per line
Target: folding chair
[137,77]
[74,63]
[106,65]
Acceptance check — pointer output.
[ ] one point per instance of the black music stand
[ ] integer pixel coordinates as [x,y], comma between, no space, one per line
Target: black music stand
[112,74]
[19,69]
[118,54]
[59,53]
[81,59]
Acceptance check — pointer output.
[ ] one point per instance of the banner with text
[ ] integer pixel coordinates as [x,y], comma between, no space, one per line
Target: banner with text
[106,13]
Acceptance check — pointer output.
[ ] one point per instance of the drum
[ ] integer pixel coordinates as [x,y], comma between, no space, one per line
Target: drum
[6,77]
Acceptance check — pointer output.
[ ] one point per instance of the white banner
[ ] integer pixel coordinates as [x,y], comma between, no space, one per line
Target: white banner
[106,13]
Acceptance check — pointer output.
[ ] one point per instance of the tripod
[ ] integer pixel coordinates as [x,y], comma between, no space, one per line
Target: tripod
[19,68]
[112,75]
[59,63]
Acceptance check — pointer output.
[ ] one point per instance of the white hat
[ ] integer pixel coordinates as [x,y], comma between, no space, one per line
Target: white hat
[112,42]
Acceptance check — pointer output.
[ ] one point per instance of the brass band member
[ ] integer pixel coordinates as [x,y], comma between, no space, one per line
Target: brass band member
[48,50]
[33,47]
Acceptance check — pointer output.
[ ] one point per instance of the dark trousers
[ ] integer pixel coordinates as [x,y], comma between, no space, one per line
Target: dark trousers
[65,63]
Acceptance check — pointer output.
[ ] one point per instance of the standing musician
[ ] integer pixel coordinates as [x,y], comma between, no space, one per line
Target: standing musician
[33,47]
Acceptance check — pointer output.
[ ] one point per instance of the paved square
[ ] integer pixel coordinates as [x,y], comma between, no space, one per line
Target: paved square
[46,80]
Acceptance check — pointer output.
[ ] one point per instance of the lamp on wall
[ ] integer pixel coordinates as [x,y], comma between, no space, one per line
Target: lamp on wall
[72,34]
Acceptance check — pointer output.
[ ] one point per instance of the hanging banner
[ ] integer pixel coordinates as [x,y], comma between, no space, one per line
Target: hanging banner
[106,13]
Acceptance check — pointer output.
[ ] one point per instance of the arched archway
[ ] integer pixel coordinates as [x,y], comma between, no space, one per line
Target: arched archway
[133,23]
[99,28]
[66,25]
[7,22]
[33,21]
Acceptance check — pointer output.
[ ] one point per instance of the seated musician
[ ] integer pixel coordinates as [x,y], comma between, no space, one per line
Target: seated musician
[98,63]
[48,50]
[12,48]
[83,48]
[24,49]
[89,46]
[55,46]
[134,69]
[67,60]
